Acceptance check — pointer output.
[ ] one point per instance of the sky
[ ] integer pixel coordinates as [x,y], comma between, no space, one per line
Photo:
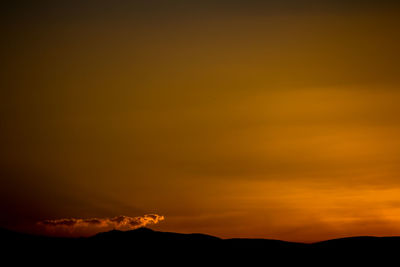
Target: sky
[265,119]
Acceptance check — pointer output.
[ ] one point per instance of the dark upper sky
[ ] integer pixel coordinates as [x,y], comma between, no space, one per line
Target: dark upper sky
[273,119]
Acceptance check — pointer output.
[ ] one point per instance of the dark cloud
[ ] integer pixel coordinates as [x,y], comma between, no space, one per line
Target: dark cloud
[91,225]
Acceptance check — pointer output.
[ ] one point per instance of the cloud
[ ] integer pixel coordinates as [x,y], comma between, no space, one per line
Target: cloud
[92,225]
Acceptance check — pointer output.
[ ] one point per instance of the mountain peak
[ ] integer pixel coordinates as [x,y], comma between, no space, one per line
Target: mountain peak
[143,230]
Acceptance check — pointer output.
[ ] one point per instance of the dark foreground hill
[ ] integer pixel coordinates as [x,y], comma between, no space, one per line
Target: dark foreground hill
[153,248]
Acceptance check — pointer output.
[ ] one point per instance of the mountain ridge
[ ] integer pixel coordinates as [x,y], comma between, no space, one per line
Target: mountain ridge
[142,231]
[143,244]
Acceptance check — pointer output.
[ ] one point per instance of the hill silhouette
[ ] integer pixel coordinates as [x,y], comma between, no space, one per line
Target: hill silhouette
[146,245]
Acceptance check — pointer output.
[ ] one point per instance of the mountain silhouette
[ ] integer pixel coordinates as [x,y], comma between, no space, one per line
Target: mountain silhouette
[146,245]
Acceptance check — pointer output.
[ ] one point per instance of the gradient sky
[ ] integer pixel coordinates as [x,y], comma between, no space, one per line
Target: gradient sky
[271,119]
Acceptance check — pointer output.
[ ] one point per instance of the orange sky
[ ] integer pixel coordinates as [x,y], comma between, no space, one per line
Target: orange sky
[231,118]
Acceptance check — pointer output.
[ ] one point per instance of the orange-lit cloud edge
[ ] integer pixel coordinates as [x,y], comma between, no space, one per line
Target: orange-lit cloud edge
[90,226]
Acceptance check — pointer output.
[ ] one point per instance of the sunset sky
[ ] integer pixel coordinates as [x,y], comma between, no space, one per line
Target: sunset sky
[268,119]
